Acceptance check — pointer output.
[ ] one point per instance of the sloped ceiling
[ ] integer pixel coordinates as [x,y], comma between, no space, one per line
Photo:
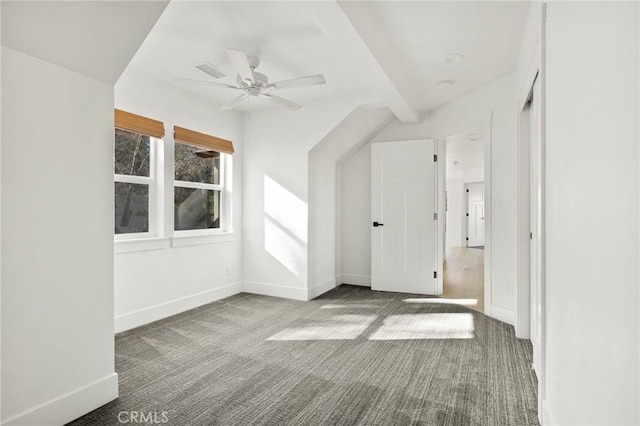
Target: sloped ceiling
[465,152]
[291,38]
[94,38]
[411,39]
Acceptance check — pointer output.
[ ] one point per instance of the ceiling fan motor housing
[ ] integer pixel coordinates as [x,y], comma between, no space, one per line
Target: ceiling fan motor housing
[254,61]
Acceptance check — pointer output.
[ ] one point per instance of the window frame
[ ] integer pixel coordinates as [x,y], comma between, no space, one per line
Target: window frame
[221,186]
[152,183]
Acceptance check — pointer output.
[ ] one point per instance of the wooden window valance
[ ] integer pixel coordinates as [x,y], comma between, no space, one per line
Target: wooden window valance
[138,124]
[202,140]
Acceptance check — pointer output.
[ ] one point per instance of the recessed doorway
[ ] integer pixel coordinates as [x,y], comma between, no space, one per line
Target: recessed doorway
[463,278]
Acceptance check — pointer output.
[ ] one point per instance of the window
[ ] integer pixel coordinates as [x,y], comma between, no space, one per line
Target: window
[142,191]
[199,186]
[134,175]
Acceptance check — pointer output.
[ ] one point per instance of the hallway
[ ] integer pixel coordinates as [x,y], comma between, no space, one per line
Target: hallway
[464,276]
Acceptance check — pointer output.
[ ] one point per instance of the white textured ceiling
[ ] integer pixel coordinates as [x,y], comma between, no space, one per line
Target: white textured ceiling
[292,39]
[93,38]
[465,152]
[369,51]
[411,40]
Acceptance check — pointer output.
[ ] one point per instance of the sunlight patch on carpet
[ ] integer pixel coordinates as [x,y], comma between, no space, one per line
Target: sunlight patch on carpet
[426,326]
[337,327]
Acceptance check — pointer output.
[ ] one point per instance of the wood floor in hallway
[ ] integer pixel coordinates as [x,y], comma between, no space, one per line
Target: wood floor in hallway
[464,276]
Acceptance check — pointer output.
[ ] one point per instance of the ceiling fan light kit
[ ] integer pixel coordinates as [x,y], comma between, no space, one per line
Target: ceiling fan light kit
[253,83]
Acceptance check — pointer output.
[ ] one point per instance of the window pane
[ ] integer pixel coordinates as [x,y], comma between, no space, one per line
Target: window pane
[196,209]
[132,151]
[196,165]
[132,208]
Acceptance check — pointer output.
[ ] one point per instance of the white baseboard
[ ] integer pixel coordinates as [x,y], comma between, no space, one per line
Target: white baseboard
[356,279]
[70,406]
[503,314]
[275,290]
[164,310]
[547,417]
[321,288]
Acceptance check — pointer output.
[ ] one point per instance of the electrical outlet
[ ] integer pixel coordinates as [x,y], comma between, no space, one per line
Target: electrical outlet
[229,269]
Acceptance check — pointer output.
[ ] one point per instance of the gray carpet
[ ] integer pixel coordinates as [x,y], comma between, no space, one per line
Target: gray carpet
[350,357]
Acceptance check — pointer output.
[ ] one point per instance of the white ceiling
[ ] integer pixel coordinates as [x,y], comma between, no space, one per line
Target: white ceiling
[411,40]
[292,39]
[370,51]
[93,38]
[465,151]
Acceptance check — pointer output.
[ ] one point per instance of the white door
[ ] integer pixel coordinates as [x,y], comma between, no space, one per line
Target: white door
[475,214]
[403,206]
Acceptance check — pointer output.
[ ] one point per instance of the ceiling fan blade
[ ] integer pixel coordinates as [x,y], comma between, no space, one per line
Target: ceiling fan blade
[206,67]
[309,80]
[241,62]
[235,101]
[209,83]
[282,101]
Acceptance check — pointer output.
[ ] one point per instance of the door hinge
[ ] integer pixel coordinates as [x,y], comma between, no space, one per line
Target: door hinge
[435,274]
[435,158]
[531,235]
[435,216]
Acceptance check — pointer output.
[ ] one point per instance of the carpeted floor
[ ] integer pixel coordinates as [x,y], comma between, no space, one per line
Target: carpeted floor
[350,357]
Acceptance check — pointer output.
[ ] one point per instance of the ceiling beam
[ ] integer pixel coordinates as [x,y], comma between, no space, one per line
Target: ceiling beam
[397,101]
[335,23]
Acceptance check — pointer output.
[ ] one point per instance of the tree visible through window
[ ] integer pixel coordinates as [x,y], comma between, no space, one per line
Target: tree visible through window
[132,187]
[197,188]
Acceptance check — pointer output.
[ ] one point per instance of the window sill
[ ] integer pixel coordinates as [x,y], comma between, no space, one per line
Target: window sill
[159,243]
[196,240]
[141,244]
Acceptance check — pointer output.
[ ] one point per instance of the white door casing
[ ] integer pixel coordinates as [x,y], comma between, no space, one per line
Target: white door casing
[535,204]
[475,214]
[403,200]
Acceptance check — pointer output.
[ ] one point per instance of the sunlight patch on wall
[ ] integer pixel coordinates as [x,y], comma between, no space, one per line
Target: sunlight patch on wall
[284,247]
[285,227]
[338,327]
[426,326]
[285,208]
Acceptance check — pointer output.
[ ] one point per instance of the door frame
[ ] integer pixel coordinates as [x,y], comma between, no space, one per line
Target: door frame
[536,70]
[465,218]
[486,123]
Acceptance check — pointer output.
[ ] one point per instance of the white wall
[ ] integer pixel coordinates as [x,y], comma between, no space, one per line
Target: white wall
[325,201]
[592,118]
[57,242]
[179,273]
[497,98]
[275,213]
[356,218]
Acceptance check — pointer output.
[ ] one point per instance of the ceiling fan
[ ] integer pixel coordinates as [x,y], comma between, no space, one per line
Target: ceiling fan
[253,83]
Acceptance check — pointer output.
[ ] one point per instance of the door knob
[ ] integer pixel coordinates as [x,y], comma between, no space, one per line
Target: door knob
[376,224]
